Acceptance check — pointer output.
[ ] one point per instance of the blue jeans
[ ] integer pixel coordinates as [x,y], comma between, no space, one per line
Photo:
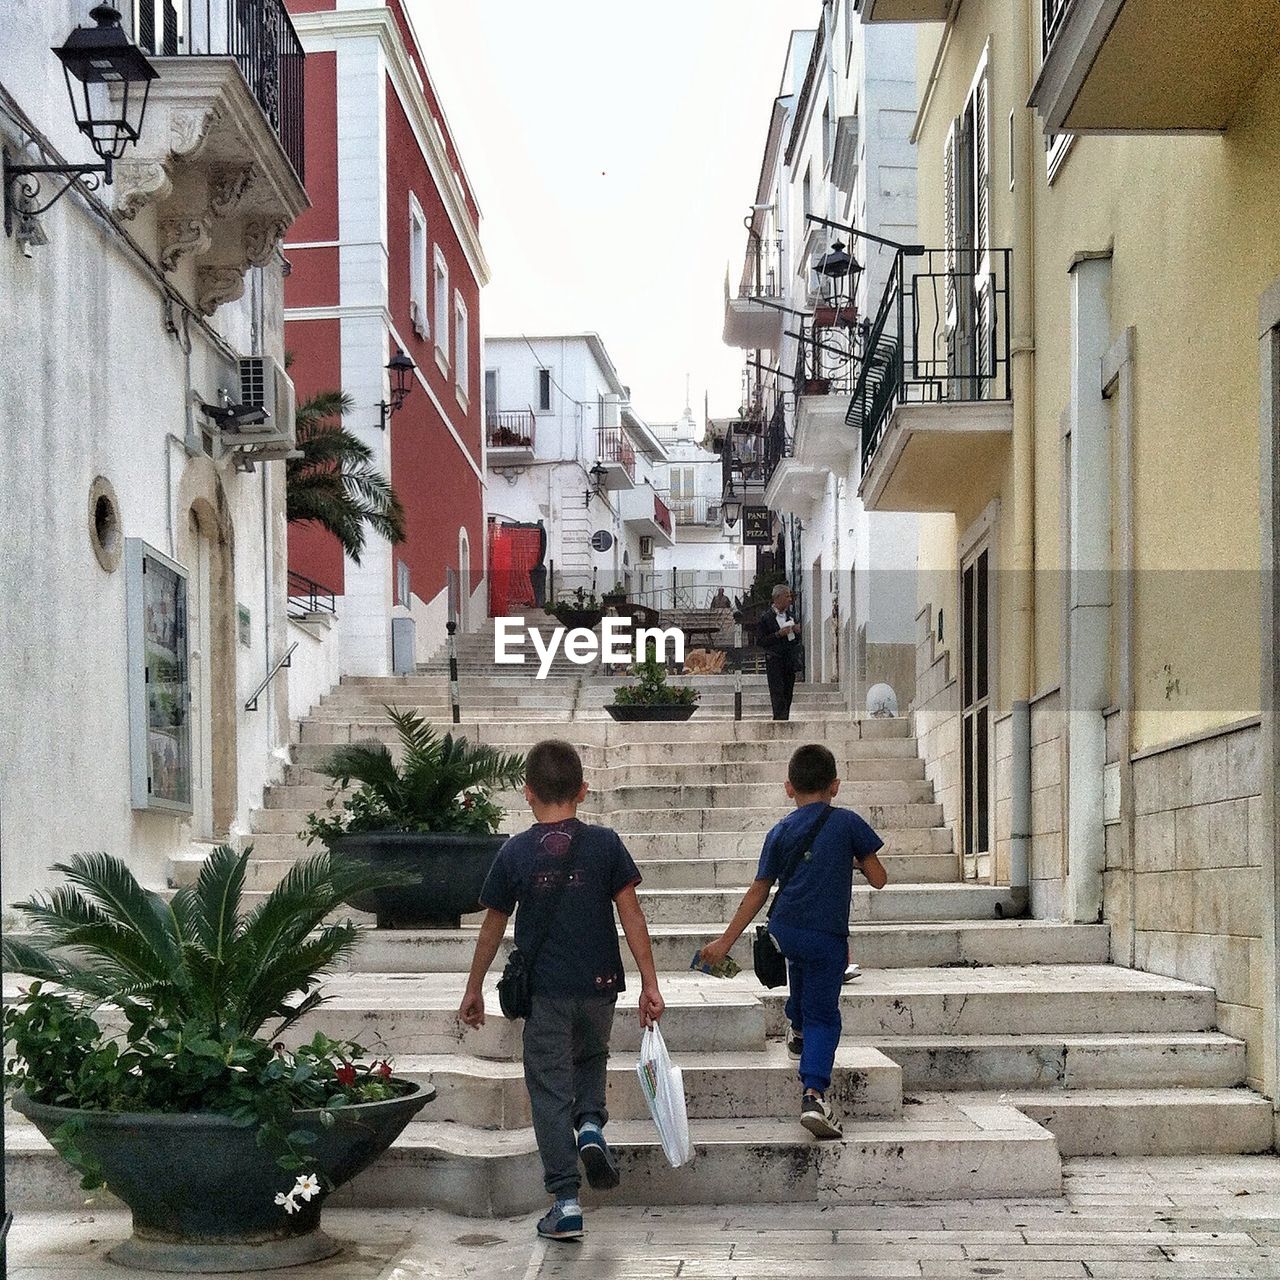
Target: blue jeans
[815,968]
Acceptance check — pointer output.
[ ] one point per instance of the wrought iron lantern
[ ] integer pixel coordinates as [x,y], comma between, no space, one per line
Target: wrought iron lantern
[108,81]
[837,271]
[597,475]
[730,506]
[401,368]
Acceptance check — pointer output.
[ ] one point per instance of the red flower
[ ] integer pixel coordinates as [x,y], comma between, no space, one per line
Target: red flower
[384,1070]
[468,801]
[346,1074]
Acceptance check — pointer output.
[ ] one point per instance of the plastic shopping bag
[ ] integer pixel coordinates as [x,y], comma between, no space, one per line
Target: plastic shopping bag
[663,1087]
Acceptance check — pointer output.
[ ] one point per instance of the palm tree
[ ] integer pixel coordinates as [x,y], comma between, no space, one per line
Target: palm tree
[334,482]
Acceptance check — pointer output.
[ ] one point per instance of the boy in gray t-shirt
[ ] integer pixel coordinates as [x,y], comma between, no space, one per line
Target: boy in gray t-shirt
[563,878]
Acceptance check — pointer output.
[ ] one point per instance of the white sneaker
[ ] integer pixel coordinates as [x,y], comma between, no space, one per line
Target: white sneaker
[852,972]
[818,1118]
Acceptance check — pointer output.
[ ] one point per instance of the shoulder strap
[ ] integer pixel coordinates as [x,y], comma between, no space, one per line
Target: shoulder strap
[555,905]
[805,845]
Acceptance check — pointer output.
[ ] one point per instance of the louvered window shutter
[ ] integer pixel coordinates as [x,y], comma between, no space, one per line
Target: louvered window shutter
[982,168]
[949,218]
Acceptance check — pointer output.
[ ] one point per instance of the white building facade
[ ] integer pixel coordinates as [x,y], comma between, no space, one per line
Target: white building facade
[838,161]
[566,448]
[146,411]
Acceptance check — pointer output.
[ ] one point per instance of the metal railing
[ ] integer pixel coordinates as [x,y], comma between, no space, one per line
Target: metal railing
[662,515]
[696,510]
[510,428]
[1053,14]
[826,363]
[777,442]
[612,445]
[940,335]
[258,34]
[306,595]
[251,704]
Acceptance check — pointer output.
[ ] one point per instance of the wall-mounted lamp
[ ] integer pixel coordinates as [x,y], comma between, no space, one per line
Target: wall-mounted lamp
[837,272]
[597,490]
[401,368]
[108,81]
[730,506]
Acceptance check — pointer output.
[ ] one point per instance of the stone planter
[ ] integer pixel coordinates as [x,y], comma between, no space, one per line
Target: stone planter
[628,714]
[451,867]
[201,1190]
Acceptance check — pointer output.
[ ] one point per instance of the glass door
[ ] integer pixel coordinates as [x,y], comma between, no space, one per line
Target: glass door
[975,711]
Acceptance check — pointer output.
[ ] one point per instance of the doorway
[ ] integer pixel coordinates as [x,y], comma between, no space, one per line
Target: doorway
[975,705]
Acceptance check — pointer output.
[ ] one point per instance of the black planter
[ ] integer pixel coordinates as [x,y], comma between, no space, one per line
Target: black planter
[201,1190]
[571,617]
[615,598]
[451,867]
[628,714]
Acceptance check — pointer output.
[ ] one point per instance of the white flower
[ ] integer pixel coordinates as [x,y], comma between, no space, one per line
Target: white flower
[308,1185]
[289,1203]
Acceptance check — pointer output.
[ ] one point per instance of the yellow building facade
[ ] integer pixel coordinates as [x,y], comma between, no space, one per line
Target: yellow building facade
[1079,423]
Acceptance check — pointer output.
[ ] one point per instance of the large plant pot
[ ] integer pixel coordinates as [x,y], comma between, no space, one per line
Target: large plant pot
[567,616]
[201,1190]
[450,867]
[668,711]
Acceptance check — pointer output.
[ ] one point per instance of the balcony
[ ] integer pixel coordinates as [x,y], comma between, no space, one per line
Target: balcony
[791,485]
[696,512]
[750,323]
[932,400]
[219,166]
[649,516]
[907,10]
[1141,66]
[616,454]
[510,436]
[825,375]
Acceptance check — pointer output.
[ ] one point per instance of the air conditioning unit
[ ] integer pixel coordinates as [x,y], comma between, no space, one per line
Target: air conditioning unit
[646,548]
[264,385]
[713,513]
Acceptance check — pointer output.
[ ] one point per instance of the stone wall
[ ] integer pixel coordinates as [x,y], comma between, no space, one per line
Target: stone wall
[1188,903]
[936,709]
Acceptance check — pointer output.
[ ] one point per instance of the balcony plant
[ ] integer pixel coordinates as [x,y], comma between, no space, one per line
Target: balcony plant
[157,1066]
[508,438]
[651,697]
[616,595]
[432,816]
[581,609]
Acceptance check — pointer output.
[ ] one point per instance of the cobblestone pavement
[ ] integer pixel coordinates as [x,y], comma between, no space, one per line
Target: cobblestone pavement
[1184,1218]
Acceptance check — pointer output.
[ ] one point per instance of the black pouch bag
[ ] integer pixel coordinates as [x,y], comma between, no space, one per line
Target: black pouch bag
[515,987]
[769,963]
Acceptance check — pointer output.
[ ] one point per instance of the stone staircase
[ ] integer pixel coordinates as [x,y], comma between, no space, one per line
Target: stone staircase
[978,1049]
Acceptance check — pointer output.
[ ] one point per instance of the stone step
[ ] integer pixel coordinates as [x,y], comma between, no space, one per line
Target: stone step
[865,1084]
[759,819]
[874,946]
[937,1152]
[1146,1121]
[1049,1062]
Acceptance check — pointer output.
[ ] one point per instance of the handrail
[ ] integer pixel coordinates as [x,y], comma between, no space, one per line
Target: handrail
[309,595]
[286,661]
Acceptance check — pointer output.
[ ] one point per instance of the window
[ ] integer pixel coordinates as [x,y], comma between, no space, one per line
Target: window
[461,345]
[807,190]
[491,390]
[544,390]
[826,138]
[403,591]
[417,269]
[442,305]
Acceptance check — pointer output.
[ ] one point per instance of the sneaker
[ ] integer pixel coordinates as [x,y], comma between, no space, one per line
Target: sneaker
[795,1044]
[597,1159]
[818,1118]
[852,972]
[563,1221]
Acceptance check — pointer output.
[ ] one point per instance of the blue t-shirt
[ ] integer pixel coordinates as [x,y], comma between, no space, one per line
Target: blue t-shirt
[580,956]
[820,891]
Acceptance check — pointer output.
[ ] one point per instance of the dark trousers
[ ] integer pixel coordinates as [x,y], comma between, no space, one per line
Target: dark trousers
[815,973]
[782,683]
[566,1059]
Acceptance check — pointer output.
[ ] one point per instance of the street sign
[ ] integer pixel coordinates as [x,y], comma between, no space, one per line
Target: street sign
[757,527]
[601,540]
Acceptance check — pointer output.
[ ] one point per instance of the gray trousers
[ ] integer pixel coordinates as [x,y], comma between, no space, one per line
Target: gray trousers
[566,1056]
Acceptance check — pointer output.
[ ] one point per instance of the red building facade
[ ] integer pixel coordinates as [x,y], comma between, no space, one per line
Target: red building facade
[389,258]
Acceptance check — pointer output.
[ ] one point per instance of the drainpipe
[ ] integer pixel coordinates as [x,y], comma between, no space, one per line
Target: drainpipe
[1020,811]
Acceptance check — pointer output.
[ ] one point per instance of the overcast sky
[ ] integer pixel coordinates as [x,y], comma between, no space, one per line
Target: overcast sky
[615,148]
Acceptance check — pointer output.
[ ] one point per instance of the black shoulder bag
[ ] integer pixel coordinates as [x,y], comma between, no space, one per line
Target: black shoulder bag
[768,961]
[515,987]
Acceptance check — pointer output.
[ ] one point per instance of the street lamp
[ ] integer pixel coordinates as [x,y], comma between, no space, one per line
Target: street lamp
[731,506]
[108,81]
[837,273]
[597,474]
[401,368]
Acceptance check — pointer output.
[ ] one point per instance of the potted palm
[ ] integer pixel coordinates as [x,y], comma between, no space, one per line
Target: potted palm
[651,697]
[432,816]
[157,1065]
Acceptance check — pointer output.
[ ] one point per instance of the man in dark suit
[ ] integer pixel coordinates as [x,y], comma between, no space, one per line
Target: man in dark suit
[778,634]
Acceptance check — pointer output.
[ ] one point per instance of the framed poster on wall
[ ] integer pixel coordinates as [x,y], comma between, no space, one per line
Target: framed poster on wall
[159,679]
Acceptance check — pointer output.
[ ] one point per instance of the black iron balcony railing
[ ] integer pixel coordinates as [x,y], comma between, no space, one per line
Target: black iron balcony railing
[941,335]
[258,34]
[826,363]
[742,458]
[308,596]
[612,445]
[1053,12]
[510,428]
[777,442]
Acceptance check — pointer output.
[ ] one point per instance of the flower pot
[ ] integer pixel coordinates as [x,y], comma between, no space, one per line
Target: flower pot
[451,867]
[615,598]
[570,616]
[201,1190]
[630,713]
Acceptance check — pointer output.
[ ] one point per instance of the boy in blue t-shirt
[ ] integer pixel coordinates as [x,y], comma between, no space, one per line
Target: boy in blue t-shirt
[566,877]
[810,921]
